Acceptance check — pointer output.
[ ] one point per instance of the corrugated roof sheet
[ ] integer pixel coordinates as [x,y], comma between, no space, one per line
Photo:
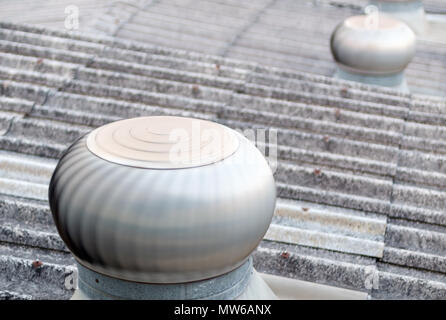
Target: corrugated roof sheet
[283,33]
[361,170]
[51,13]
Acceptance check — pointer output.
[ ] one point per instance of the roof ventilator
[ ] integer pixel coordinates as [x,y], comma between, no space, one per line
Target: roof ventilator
[373,49]
[164,208]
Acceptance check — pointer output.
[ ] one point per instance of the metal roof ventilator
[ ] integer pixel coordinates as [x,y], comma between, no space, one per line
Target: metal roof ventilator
[164,208]
[373,49]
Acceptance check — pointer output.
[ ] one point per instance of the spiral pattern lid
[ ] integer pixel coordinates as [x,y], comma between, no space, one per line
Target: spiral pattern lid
[162,142]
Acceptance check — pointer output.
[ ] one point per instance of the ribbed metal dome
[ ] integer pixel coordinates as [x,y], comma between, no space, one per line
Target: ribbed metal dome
[382,46]
[127,208]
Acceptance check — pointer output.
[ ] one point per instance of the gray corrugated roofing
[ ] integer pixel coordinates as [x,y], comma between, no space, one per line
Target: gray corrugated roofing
[51,13]
[283,33]
[360,177]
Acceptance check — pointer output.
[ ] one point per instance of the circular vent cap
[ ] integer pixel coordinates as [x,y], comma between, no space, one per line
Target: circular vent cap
[163,142]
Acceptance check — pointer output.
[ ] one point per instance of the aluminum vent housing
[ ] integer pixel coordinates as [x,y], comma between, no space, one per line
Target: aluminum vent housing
[162,200]
[373,50]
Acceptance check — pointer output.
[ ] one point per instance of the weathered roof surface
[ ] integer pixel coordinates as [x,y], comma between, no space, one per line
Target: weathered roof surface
[361,171]
[283,33]
[54,13]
